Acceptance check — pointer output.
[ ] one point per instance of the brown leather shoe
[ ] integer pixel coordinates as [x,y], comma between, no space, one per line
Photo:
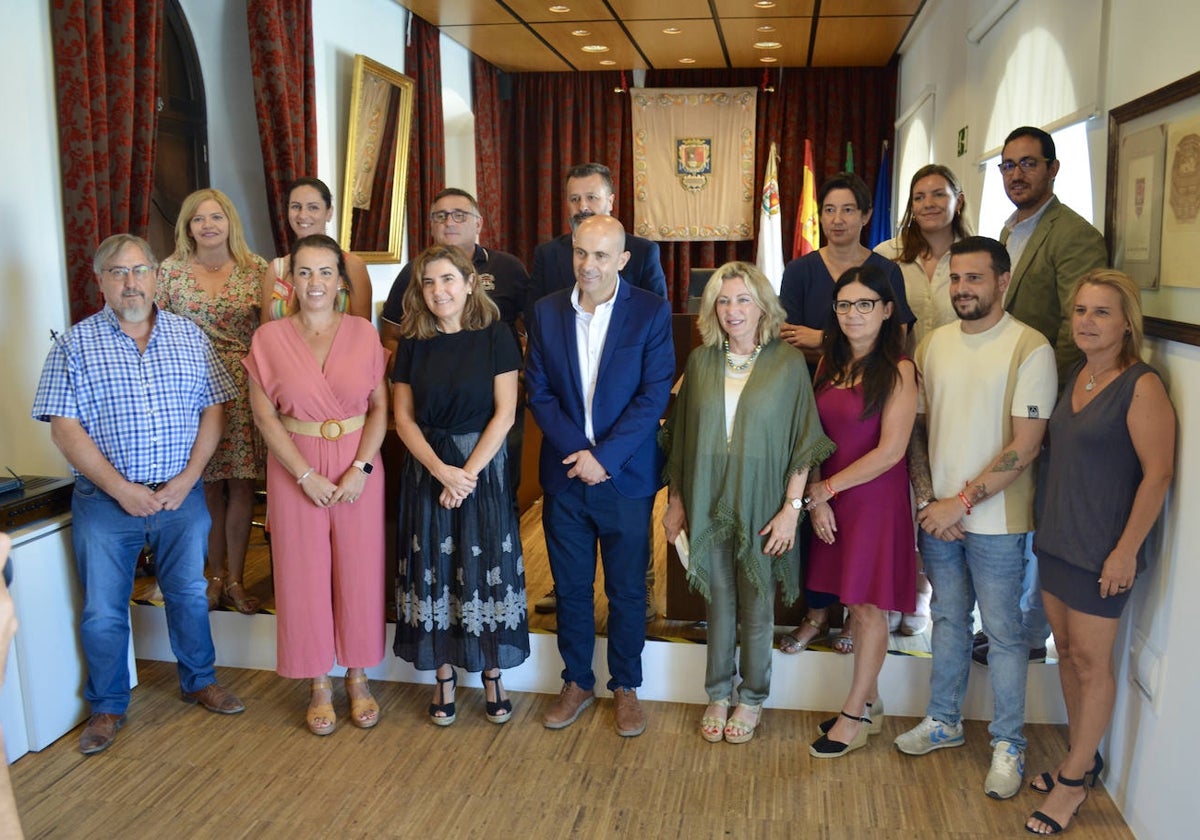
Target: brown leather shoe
[631,720]
[101,730]
[571,701]
[216,699]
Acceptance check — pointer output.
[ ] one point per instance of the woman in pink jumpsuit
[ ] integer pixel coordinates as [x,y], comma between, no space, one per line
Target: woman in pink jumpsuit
[316,387]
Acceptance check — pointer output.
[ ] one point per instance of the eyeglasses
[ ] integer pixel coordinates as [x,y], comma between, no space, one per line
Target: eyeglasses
[120,272]
[439,217]
[1027,164]
[864,306]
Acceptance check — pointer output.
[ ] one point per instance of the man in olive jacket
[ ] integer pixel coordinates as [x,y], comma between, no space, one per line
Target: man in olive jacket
[1051,246]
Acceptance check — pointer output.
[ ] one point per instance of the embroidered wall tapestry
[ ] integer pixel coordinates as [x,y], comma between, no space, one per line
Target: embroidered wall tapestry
[693,163]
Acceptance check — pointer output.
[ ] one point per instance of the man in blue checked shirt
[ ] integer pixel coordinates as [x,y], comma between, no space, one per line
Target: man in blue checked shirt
[134,397]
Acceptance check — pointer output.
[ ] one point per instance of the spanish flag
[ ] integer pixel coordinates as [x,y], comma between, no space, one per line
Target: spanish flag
[807,237]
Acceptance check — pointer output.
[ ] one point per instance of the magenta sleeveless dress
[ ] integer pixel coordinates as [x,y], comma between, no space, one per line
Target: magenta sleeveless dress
[873,558]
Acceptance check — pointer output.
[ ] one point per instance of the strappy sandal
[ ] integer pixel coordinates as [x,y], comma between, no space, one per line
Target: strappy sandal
[214,592]
[844,643]
[247,604]
[712,726]
[364,710]
[443,713]
[500,710]
[741,725]
[1047,779]
[318,712]
[790,643]
[1051,823]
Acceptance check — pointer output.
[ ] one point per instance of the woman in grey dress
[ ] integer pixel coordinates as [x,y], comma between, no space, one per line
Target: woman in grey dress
[1111,456]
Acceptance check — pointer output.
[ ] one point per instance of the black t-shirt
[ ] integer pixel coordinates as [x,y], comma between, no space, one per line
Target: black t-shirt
[452,375]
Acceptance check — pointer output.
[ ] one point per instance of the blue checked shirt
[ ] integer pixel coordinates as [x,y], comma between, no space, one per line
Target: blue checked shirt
[142,410]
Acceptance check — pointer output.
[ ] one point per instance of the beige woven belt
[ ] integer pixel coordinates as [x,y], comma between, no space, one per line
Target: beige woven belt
[328,429]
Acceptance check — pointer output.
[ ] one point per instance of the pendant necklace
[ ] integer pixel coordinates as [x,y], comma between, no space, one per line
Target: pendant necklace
[1091,383]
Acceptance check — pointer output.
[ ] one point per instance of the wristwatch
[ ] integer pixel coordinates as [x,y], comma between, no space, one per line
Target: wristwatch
[797,504]
[365,466]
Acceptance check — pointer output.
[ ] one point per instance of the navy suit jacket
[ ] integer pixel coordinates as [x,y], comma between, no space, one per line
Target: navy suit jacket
[633,384]
[554,268]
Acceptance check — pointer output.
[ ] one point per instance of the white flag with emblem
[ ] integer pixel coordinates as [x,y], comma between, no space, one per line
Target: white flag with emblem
[770,228]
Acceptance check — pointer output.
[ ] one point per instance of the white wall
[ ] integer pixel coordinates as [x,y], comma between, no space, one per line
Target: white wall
[32,257]
[1152,744]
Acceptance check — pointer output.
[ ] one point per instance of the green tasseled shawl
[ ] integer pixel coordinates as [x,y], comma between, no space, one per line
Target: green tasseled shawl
[730,492]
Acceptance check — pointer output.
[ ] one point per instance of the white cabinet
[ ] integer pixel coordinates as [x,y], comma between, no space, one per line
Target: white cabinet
[47,654]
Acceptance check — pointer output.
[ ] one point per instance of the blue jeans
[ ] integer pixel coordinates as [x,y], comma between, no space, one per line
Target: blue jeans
[107,541]
[990,568]
[574,521]
[1033,614]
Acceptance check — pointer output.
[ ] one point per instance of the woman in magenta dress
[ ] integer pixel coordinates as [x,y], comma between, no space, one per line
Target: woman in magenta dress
[863,544]
[214,280]
[316,386]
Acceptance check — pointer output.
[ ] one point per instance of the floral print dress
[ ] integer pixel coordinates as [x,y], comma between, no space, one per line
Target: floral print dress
[229,322]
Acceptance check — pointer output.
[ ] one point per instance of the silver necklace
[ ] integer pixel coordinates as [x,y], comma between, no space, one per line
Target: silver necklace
[1091,383]
[741,366]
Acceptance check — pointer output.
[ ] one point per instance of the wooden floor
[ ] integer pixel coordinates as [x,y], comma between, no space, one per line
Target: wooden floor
[180,771]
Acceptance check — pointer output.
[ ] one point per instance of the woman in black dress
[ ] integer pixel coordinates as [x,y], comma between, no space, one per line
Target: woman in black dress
[1111,455]
[460,588]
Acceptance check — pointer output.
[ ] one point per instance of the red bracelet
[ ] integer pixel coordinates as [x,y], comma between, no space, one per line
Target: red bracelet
[962,497]
[829,487]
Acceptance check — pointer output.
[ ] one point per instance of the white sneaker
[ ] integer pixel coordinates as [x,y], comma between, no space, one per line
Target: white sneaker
[1008,770]
[930,735]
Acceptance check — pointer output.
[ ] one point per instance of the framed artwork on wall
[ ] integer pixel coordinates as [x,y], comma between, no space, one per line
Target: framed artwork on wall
[1152,204]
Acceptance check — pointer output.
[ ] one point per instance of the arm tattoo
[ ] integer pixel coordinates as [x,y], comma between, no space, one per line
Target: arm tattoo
[1008,462]
[918,460]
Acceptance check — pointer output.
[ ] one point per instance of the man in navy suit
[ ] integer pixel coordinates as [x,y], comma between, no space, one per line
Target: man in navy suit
[599,373]
[590,193]
[589,188]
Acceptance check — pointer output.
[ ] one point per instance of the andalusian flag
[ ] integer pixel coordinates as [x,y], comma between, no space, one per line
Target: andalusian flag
[770,226]
[807,237]
[849,156]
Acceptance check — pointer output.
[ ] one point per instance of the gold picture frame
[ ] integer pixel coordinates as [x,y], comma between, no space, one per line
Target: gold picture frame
[376,177]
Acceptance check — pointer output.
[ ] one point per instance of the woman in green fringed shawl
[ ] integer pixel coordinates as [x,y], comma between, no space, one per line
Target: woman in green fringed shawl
[740,441]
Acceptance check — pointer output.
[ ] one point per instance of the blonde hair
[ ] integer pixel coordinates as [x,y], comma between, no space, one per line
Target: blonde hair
[761,293]
[1130,296]
[418,322]
[185,245]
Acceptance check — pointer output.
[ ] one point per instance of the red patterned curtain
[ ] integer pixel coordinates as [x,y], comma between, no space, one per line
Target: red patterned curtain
[485,94]
[427,153]
[550,122]
[106,73]
[281,61]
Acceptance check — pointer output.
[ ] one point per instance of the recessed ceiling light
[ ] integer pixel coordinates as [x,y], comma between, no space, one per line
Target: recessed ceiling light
[687,61]
[768,59]
[764,4]
[607,62]
[672,30]
[766,28]
[768,45]
[579,33]
[560,10]
[595,48]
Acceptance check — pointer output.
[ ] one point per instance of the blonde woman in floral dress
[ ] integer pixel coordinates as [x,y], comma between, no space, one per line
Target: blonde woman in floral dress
[214,280]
